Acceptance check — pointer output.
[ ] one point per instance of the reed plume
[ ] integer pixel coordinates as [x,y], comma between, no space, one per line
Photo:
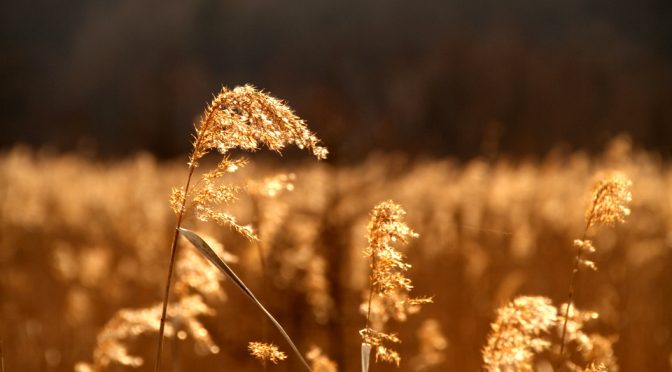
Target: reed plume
[609,206]
[265,352]
[596,368]
[517,334]
[128,324]
[240,118]
[389,289]
[197,280]
[530,326]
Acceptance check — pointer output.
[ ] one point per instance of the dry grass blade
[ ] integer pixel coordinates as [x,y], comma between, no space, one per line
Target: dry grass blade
[205,249]
[366,356]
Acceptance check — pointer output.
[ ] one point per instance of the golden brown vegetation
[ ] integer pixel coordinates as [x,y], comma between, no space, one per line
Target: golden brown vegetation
[80,240]
[389,288]
[240,118]
[266,352]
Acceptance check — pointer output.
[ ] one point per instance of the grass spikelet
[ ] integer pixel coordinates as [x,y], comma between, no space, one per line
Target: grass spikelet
[528,327]
[265,352]
[517,334]
[609,205]
[246,118]
[593,348]
[611,197]
[128,324]
[596,368]
[389,289]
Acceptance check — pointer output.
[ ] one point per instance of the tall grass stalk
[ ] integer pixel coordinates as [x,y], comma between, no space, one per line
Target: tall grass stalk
[173,254]
[240,118]
[609,206]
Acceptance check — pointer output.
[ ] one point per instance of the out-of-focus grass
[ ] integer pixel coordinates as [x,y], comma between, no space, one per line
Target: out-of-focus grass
[81,239]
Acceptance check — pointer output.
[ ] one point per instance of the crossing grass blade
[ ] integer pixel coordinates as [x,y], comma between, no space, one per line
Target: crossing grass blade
[208,253]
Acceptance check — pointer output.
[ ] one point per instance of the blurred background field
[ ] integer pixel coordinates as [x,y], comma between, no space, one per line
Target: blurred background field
[81,239]
[487,121]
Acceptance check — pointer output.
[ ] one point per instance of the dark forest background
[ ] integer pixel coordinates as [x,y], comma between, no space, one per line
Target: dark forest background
[430,77]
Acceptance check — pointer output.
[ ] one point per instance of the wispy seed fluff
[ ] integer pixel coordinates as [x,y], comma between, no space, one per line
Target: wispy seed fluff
[112,343]
[240,118]
[611,197]
[247,118]
[389,287]
[266,352]
[527,328]
[609,206]
[518,334]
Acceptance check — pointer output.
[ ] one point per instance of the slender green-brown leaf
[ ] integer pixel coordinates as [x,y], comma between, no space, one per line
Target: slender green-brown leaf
[366,356]
[206,251]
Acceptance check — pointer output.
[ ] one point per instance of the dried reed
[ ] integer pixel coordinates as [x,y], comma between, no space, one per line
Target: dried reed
[243,118]
[609,206]
[389,287]
[266,352]
[517,334]
[529,327]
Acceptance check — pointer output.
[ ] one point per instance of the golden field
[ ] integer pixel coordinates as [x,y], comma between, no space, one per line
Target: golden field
[82,239]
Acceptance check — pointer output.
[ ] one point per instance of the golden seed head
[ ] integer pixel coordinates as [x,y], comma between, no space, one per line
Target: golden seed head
[385,228]
[596,368]
[241,118]
[128,324]
[246,118]
[390,287]
[266,352]
[516,334]
[611,199]
[387,355]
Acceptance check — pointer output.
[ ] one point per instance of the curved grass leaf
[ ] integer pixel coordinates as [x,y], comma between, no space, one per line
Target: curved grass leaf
[206,251]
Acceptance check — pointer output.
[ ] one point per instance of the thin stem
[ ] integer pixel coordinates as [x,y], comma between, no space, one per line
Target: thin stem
[575,270]
[173,253]
[365,362]
[570,296]
[368,311]
[173,247]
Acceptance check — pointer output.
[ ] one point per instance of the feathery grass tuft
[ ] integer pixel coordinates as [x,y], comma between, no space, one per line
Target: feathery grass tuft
[266,352]
[244,118]
[389,289]
[609,205]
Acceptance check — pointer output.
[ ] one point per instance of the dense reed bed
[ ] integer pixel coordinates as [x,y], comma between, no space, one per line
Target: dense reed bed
[82,239]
